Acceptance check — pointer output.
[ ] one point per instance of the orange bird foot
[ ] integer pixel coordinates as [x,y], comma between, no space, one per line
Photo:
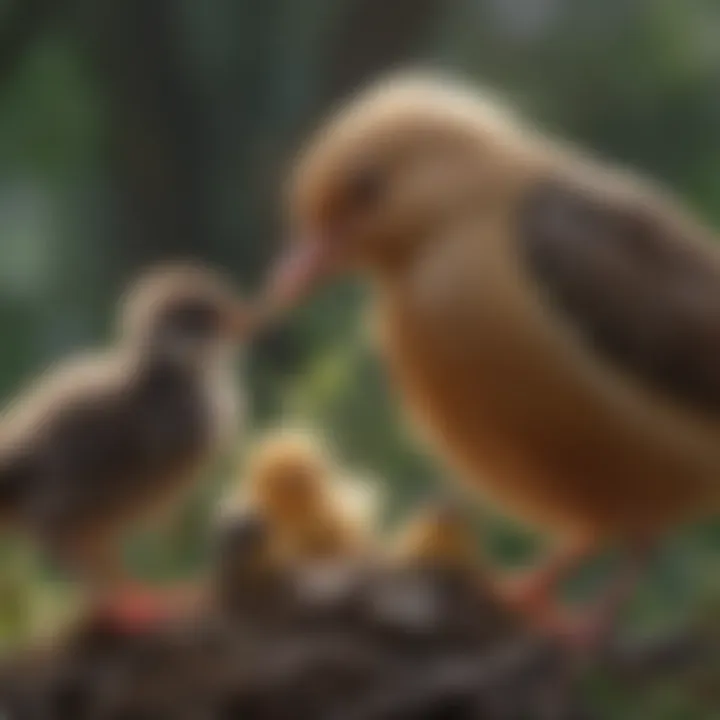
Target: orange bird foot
[530,595]
[135,610]
[582,633]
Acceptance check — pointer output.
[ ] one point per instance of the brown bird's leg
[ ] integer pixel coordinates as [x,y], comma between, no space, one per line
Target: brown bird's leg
[132,607]
[115,599]
[588,630]
[533,592]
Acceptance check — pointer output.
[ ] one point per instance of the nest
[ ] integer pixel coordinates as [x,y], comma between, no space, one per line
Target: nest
[321,643]
[272,636]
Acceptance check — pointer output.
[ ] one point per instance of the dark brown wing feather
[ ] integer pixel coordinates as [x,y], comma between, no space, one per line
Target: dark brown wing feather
[645,297]
[97,454]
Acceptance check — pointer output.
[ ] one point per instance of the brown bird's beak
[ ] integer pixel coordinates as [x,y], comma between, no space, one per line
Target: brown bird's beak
[303,267]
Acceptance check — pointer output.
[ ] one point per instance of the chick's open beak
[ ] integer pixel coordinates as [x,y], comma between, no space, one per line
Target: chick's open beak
[298,273]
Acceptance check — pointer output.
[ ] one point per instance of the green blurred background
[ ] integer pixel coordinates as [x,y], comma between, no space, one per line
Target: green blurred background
[137,130]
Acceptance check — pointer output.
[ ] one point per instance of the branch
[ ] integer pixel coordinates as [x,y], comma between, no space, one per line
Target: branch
[655,657]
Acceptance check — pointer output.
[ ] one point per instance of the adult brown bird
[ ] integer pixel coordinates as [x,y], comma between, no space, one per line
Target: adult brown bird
[111,437]
[553,323]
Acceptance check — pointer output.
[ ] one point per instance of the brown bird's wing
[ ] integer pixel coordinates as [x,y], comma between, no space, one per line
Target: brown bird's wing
[638,284]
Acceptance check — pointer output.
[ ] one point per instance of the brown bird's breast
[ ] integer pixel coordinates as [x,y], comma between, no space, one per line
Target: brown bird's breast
[527,412]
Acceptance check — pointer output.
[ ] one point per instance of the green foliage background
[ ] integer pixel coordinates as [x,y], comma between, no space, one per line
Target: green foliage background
[136,130]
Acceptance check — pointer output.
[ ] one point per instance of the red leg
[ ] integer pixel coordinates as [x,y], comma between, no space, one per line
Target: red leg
[534,592]
[116,601]
[132,607]
[587,630]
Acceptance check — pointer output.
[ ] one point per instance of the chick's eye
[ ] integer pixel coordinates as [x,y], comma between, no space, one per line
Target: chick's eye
[195,320]
[365,189]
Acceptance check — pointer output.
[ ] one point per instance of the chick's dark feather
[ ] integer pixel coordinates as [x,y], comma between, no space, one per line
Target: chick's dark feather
[107,438]
[92,457]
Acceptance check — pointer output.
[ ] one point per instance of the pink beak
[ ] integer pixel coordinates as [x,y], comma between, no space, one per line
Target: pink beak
[297,274]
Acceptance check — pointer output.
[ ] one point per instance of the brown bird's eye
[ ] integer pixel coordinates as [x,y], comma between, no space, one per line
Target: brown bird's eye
[365,189]
[194,320]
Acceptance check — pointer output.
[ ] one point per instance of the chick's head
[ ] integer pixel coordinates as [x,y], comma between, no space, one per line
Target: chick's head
[289,477]
[184,313]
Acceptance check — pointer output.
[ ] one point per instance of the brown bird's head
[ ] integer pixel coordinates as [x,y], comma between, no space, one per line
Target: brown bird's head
[289,477]
[384,175]
[185,313]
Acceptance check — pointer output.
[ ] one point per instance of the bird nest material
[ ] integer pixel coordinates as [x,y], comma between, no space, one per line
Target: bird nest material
[327,643]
